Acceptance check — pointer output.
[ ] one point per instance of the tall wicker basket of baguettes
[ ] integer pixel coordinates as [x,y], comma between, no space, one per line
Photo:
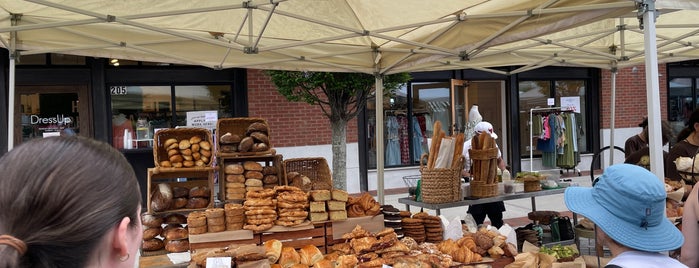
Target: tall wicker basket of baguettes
[484,166]
[440,185]
[182,148]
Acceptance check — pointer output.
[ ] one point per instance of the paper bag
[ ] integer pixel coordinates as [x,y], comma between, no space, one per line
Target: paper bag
[446,154]
[510,233]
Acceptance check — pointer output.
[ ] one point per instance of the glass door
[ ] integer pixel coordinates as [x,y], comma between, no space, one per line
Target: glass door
[459,106]
[44,111]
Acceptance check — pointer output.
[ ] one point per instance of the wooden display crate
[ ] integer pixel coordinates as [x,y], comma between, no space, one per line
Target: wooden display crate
[266,161]
[160,152]
[336,229]
[297,239]
[195,177]
[238,126]
[222,239]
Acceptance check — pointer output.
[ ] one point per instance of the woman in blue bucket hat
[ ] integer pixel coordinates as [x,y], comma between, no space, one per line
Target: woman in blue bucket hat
[627,203]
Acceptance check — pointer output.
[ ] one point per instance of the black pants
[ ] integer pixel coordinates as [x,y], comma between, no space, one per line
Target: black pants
[492,210]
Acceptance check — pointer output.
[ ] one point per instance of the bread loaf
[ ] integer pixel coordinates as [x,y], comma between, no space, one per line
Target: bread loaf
[152,232]
[229,138]
[269,170]
[320,195]
[234,169]
[257,127]
[338,215]
[245,144]
[339,195]
[153,244]
[260,147]
[235,178]
[336,205]
[197,202]
[175,233]
[174,246]
[175,218]
[161,198]
[253,182]
[200,191]
[179,203]
[319,216]
[317,206]
[253,174]
[270,179]
[310,254]
[178,192]
[149,220]
[273,249]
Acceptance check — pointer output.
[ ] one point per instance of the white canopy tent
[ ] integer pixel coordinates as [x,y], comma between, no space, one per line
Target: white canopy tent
[369,36]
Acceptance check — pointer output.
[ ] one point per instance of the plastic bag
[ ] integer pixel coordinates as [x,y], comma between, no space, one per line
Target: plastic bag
[470,222]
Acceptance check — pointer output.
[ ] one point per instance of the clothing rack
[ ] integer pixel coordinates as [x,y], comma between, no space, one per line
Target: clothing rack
[548,110]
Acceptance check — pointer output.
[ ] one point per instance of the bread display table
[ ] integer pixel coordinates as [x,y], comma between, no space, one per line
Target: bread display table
[518,195]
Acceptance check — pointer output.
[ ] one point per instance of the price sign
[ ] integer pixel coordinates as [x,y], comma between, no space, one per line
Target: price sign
[118,90]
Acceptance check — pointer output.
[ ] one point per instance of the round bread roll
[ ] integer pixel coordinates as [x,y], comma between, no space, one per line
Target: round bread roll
[187,158]
[257,127]
[195,147]
[161,198]
[177,164]
[204,145]
[197,202]
[270,179]
[175,246]
[175,218]
[199,163]
[260,147]
[245,144]
[179,203]
[269,170]
[204,159]
[149,220]
[229,148]
[169,142]
[252,165]
[165,163]
[260,137]
[196,155]
[229,138]
[173,146]
[188,163]
[179,191]
[151,232]
[176,233]
[194,139]
[187,151]
[153,244]
[200,191]
[235,169]
[172,152]
[184,144]
[176,159]
[205,153]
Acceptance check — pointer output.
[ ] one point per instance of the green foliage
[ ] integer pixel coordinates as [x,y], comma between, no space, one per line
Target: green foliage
[340,95]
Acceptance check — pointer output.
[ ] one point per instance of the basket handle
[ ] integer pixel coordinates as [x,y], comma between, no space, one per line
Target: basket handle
[423,160]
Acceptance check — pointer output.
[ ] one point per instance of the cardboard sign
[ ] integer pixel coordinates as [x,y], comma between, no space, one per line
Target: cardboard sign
[202,119]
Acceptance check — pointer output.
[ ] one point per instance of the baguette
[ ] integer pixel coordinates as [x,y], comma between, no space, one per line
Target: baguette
[434,147]
[441,136]
[458,150]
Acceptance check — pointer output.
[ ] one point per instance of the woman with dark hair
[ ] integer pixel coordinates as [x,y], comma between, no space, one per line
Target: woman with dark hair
[638,141]
[642,156]
[687,146]
[68,202]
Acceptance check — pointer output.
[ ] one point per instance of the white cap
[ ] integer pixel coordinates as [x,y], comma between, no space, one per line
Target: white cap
[486,127]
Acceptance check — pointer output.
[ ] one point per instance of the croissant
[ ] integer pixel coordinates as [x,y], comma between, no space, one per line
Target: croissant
[470,243]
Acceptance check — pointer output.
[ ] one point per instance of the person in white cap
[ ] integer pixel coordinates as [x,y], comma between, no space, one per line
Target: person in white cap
[627,204]
[492,210]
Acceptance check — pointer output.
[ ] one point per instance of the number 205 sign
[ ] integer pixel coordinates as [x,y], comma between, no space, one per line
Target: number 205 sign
[118,90]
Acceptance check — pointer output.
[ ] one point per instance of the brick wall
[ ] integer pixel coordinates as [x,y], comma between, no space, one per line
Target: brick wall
[291,123]
[631,103]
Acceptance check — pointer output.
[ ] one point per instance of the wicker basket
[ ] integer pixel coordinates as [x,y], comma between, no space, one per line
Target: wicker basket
[160,152]
[484,165]
[315,168]
[532,186]
[480,189]
[239,126]
[440,185]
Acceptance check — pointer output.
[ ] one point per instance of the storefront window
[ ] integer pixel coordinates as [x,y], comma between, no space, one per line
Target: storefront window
[681,102]
[567,94]
[139,111]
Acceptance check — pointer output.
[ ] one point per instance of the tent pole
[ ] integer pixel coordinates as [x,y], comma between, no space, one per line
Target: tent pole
[11,102]
[379,139]
[613,115]
[655,143]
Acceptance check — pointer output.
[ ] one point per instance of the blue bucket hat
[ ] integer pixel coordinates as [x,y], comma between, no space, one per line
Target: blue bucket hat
[628,204]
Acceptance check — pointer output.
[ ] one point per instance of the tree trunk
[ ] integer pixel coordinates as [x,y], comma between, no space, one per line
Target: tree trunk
[339,148]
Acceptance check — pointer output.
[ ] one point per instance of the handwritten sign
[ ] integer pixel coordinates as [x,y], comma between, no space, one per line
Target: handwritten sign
[571,103]
[218,262]
[202,119]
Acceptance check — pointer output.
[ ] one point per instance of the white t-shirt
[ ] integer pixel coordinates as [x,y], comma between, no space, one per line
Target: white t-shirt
[467,146]
[634,259]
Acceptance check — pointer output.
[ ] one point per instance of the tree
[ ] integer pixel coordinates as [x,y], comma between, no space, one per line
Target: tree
[341,96]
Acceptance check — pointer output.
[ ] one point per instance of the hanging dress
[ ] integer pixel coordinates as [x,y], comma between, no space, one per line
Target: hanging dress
[392,154]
